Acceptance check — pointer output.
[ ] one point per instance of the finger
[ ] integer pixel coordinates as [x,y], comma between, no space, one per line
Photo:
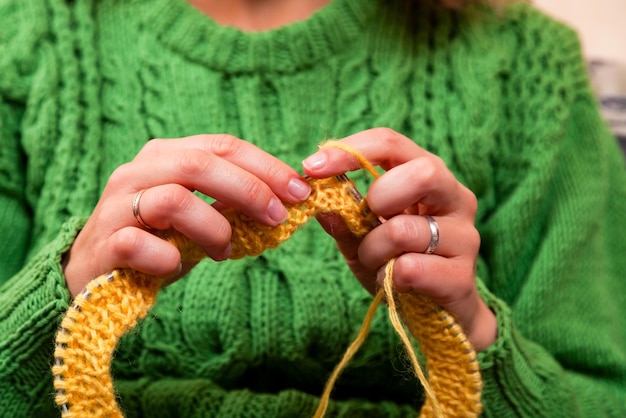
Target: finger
[426,181]
[414,175]
[451,284]
[286,182]
[446,281]
[380,146]
[140,250]
[173,206]
[412,234]
[211,175]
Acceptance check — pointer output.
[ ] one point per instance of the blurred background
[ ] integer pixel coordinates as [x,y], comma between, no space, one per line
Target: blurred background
[601,25]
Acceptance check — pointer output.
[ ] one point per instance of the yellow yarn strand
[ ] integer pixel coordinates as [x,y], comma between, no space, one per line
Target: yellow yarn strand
[364,162]
[113,303]
[350,352]
[399,328]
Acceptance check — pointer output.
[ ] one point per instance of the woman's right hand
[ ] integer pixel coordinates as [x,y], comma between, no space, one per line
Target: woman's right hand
[232,171]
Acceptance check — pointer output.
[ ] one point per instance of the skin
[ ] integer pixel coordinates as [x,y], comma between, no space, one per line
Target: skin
[238,174]
[258,15]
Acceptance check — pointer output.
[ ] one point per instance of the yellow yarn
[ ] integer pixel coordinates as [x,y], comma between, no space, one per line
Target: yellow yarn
[113,303]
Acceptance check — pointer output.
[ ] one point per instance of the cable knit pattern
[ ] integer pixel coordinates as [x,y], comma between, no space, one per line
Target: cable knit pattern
[502,98]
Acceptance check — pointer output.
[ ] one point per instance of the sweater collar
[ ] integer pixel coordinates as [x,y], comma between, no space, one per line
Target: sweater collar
[185,30]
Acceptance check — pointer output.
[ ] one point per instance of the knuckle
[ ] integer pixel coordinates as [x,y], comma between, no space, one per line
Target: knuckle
[172,198]
[193,163]
[151,147]
[408,270]
[473,241]
[275,174]
[471,200]
[388,138]
[223,145]
[386,135]
[252,191]
[120,176]
[431,169]
[126,243]
[401,231]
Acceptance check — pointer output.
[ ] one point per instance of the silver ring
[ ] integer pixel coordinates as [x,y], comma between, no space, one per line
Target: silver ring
[136,212]
[434,234]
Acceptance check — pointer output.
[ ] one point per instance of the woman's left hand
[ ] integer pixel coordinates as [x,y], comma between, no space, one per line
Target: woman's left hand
[416,183]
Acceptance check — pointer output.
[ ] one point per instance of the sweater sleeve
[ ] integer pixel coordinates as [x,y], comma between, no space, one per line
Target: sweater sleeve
[554,249]
[33,295]
[32,303]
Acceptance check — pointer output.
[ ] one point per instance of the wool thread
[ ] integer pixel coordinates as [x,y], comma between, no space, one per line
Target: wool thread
[113,303]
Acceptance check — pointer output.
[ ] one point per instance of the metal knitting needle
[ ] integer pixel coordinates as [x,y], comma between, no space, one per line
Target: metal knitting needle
[357,195]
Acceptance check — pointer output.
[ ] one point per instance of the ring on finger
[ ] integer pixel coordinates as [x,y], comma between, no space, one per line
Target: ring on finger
[137,213]
[434,235]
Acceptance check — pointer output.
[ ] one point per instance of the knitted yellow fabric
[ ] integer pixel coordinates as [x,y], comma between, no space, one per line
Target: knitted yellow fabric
[113,303]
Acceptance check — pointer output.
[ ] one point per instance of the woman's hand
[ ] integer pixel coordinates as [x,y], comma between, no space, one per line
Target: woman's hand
[416,183]
[234,172]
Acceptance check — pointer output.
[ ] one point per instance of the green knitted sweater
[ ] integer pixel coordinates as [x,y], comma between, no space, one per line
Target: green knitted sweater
[503,98]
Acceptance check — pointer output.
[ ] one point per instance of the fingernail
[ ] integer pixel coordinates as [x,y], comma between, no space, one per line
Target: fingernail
[226,253]
[380,277]
[169,279]
[314,162]
[277,211]
[299,189]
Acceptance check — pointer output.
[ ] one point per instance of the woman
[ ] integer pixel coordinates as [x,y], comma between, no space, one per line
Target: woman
[490,128]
